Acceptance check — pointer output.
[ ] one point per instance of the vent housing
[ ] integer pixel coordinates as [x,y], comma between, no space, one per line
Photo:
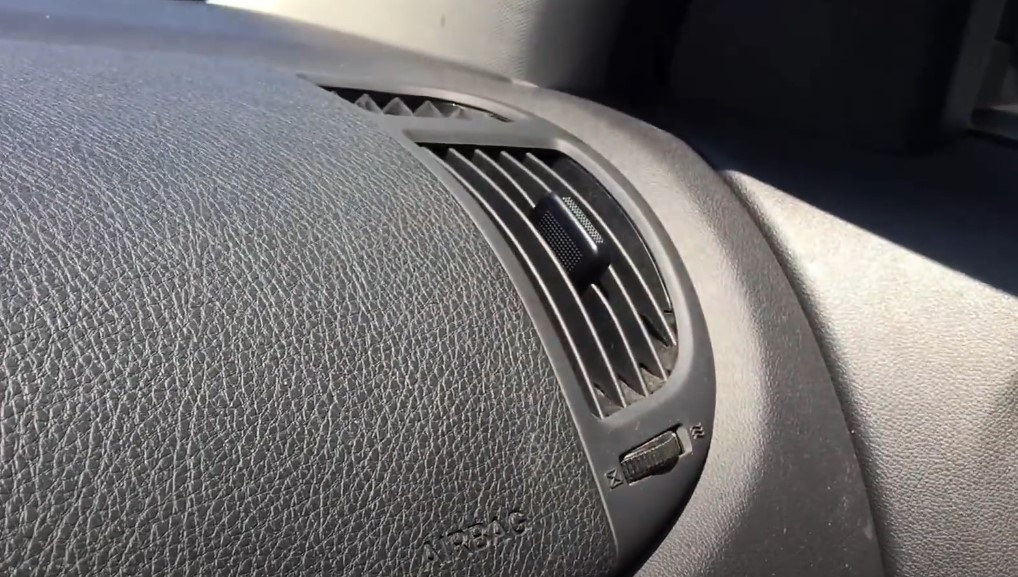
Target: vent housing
[392,104]
[616,319]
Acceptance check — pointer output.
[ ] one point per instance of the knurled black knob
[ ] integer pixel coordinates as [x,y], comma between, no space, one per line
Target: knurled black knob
[572,237]
[651,458]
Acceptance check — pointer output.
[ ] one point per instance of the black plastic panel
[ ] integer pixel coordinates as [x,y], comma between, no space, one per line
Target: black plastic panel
[781,492]
[923,345]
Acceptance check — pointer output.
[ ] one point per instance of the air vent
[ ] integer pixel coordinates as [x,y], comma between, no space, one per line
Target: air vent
[588,259]
[411,105]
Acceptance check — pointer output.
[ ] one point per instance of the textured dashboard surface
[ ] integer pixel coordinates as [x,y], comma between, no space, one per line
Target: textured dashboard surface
[235,342]
[907,267]
[781,492]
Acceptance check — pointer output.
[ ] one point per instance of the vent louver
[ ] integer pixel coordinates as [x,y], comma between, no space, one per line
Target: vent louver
[411,105]
[587,258]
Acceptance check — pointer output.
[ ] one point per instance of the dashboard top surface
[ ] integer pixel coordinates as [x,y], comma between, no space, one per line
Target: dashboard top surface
[781,492]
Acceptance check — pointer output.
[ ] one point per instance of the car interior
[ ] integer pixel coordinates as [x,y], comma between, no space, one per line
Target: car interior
[499,288]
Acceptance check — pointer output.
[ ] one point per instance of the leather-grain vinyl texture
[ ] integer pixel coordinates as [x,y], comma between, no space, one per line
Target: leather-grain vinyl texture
[245,333]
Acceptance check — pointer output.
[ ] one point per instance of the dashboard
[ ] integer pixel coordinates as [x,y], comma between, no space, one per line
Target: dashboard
[281,300]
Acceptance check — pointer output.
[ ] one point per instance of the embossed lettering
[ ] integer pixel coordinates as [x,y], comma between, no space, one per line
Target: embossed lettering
[456,539]
[474,538]
[495,529]
[614,479]
[478,537]
[517,522]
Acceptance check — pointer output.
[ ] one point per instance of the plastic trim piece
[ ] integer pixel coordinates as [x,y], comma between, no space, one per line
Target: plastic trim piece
[353,84]
[781,492]
[392,104]
[612,335]
[638,512]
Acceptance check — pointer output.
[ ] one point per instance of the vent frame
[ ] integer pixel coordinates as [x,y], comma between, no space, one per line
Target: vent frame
[622,357]
[684,403]
[414,106]
[475,109]
[637,512]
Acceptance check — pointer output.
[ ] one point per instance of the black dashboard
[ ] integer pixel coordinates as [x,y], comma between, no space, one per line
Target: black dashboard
[254,323]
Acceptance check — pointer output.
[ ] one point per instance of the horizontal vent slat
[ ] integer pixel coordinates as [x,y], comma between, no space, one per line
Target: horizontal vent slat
[529,182]
[616,344]
[499,174]
[632,325]
[594,366]
[616,322]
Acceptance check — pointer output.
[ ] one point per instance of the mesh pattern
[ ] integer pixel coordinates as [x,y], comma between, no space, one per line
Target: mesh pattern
[565,250]
[583,219]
